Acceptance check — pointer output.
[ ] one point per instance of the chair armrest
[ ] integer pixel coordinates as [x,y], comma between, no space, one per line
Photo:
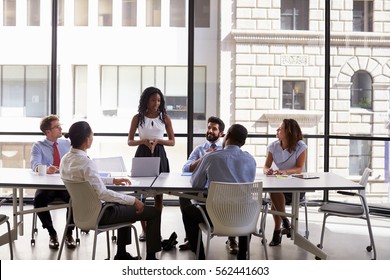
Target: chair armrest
[347,193]
[206,221]
[196,202]
[104,207]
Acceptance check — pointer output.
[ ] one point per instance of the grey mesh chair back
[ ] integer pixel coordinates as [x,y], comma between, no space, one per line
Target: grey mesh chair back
[234,210]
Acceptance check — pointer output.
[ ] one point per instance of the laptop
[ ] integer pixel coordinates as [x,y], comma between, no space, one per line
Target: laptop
[110,165]
[145,166]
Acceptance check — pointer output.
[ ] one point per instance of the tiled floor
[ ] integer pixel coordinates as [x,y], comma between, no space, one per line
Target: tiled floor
[345,239]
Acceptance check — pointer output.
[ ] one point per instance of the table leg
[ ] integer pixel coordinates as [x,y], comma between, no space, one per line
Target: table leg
[15,211]
[21,219]
[299,240]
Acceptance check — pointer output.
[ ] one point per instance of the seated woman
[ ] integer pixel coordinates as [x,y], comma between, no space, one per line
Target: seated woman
[288,154]
[76,166]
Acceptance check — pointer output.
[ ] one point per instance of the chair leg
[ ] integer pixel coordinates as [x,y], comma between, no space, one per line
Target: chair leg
[198,244]
[10,241]
[262,233]
[113,237]
[94,244]
[248,247]
[62,242]
[34,229]
[306,222]
[108,245]
[372,243]
[77,235]
[136,241]
[320,245]
[207,245]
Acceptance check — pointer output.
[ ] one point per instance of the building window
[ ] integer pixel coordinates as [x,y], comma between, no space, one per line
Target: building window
[25,91]
[294,15]
[361,91]
[359,156]
[177,17]
[81,13]
[153,12]
[105,13]
[202,13]
[129,12]
[121,85]
[294,95]
[362,15]
[61,15]
[80,91]
[33,12]
[9,13]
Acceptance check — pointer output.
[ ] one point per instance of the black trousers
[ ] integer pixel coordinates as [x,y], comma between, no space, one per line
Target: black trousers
[118,213]
[191,219]
[43,198]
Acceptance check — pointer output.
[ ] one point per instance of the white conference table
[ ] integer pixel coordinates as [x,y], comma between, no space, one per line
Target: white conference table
[176,184]
[20,178]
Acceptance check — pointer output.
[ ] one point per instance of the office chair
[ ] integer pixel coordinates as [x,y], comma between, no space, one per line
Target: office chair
[87,211]
[4,219]
[234,210]
[348,210]
[108,165]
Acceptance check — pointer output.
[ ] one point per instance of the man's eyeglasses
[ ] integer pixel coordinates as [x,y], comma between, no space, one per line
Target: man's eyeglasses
[56,127]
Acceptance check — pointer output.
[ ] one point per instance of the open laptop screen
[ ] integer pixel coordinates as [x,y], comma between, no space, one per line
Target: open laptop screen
[145,166]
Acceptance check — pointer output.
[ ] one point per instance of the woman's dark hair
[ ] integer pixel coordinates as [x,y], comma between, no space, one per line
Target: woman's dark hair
[78,132]
[221,124]
[293,133]
[143,104]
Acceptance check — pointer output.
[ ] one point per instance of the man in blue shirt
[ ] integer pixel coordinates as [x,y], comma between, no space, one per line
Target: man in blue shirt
[215,129]
[228,165]
[43,152]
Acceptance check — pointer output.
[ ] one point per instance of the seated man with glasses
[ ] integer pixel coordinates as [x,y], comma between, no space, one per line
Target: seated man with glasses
[49,152]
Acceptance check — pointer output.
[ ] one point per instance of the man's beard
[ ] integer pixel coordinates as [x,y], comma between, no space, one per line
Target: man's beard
[211,137]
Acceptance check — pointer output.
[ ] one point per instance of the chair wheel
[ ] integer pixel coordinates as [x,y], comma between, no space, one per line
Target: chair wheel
[32,242]
[35,230]
[113,238]
[317,258]
[319,246]
[77,240]
[369,248]
[85,231]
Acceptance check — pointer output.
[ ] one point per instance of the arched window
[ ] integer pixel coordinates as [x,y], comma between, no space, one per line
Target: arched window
[361,91]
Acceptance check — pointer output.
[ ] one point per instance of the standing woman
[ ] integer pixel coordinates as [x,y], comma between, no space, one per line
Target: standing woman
[152,121]
[288,154]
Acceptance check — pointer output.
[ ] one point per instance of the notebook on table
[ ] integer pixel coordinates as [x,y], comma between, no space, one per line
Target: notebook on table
[145,166]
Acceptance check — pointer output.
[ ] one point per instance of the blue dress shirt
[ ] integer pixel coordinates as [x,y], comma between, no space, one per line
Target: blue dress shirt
[42,152]
[228,165]
[198,152]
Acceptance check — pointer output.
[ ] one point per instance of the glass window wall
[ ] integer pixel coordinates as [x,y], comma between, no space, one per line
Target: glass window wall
[253,65]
